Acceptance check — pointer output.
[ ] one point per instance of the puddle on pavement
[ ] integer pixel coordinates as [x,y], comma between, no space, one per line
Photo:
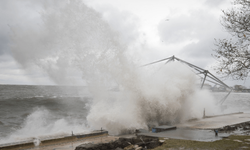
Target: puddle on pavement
[188,134]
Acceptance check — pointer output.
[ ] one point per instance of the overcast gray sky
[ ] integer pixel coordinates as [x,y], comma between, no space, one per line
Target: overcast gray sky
[151,30]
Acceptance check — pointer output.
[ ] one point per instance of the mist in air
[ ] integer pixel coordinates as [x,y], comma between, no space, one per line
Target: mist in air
[73,40]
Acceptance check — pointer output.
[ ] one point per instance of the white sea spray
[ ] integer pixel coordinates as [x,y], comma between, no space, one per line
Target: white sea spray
[73,41]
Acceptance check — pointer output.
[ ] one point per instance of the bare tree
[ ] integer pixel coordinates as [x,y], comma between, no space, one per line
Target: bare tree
[233,54]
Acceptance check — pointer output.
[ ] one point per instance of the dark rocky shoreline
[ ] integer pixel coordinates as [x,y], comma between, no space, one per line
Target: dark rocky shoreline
[144,143]
[243,128]
[134,143]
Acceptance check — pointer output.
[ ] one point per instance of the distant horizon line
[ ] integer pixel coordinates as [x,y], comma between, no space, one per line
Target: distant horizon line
[41,85]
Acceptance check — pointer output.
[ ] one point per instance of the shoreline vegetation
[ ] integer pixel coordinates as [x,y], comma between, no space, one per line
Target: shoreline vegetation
[232,142]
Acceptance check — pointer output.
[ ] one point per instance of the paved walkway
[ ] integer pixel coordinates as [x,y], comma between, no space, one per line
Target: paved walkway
[216,122]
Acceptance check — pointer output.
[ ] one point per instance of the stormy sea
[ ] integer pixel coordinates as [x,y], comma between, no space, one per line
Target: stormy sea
[31,111]
[28,111]
[72,44]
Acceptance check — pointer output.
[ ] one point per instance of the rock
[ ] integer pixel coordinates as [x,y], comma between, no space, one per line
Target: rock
[85,146]
[237,140]
[123,143]
[153,144]
[233,128]
[246,128]
[244,147]
[161,141]
[130,147]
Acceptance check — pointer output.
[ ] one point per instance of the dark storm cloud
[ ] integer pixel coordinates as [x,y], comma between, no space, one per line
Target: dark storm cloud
[198,29]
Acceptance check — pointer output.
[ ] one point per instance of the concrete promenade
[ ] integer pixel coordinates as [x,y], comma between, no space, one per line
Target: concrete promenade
[200,129]
[215,122]
[184,130]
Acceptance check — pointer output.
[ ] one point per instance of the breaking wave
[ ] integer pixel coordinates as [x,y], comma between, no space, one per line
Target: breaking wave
[74,39]
[163,96]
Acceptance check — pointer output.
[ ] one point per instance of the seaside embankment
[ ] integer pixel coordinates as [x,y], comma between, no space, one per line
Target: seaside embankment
[233,133]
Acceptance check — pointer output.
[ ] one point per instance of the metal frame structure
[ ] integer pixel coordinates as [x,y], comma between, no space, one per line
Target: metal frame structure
[198,71]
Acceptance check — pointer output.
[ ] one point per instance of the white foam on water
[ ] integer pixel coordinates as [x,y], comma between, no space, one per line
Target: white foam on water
[36,141]
[160,96]
[74,39]
[41,124]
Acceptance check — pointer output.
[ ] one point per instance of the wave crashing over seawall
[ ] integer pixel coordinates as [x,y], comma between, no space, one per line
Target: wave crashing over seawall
[75,43]
[167,95]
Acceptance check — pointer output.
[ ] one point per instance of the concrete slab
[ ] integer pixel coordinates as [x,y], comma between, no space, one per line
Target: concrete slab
[187,134]
[141,131]
[216,122]
[54,140]
[72,145]
[127,136]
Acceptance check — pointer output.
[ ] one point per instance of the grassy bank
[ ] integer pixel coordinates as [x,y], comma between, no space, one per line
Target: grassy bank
[232,142]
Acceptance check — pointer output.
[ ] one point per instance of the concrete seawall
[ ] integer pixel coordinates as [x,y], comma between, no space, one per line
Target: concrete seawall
[51,141]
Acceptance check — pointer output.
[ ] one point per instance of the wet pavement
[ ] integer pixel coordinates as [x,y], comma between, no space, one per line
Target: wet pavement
[198,130]
[203,129]
[216,121]
[188,134]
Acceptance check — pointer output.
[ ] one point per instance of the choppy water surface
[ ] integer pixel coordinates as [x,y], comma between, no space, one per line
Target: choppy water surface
[32,111]
[29,111]
[92,50]
[236,102]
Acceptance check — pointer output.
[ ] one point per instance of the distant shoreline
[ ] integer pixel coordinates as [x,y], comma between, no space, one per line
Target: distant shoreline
[41,85]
